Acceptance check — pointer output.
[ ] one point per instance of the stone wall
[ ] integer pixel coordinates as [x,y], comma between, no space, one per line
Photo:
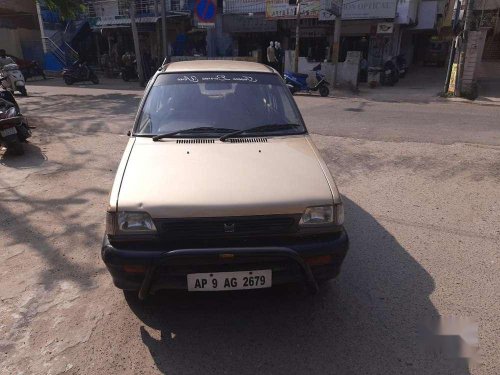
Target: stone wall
[473,55]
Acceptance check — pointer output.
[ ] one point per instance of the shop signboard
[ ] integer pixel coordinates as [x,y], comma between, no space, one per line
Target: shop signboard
[329,9]
[240,23]
[243,6]
[368,9]
[281,9]
[205,12]
[385,28]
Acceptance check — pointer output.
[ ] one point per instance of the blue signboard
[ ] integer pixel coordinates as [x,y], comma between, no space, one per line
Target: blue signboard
[205,12]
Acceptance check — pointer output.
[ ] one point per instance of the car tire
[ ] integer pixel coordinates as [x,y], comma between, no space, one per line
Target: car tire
[132,297]
[324,91]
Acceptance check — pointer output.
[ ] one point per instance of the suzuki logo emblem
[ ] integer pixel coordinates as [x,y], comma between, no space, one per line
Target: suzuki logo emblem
[229,227]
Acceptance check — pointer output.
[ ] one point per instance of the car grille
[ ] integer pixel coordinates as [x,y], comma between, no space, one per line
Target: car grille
[227,226]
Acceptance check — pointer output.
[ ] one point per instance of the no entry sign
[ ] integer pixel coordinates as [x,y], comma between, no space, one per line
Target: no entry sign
[205,12]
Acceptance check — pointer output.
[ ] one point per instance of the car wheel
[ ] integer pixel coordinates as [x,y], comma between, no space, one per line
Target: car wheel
[324,91]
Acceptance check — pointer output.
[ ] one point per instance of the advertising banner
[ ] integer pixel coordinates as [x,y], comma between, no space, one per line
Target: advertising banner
[244,6]
[240,23]
[281,9]
[368,9]
[329,9]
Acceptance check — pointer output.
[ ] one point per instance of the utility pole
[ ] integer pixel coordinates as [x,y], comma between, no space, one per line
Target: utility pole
[336,43]
[164,29]
[463,49]
[135,36]
[40,22]
[297,37]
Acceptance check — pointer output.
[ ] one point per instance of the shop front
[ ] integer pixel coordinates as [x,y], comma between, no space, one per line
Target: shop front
[369,26]
[251,34]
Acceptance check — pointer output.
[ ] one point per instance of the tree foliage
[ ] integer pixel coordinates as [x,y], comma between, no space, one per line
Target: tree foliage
[66,8]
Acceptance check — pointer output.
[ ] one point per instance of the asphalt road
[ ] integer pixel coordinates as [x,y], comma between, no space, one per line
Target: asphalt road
[420,182]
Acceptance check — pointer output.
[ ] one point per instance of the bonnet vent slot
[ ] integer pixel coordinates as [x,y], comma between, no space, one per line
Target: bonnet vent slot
[200,140]
[247,140]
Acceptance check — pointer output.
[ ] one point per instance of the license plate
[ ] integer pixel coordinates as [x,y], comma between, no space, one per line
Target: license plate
[220,281]
[8,131]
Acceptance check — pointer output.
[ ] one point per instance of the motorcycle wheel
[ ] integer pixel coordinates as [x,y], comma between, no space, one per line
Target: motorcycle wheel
[23,91]
[125,77]
[68,80]
[95,80]
[323,91]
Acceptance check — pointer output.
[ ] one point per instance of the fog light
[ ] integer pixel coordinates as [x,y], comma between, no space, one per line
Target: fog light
[319,260]
[134,269]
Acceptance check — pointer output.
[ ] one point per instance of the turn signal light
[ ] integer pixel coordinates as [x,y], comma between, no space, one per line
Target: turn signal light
[319,260]
[134,269]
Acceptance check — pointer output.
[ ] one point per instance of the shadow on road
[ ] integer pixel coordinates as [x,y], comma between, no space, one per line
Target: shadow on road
[33,157]
[363,323]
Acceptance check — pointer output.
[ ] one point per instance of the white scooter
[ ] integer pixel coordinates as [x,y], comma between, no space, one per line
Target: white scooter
[13,79]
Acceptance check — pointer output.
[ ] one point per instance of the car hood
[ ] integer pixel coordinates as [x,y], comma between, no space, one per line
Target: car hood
[173,179]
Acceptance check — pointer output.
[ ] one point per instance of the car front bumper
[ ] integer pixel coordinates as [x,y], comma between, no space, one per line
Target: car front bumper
[168,269]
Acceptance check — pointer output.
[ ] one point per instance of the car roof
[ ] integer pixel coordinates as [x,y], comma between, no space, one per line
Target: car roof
[216,66]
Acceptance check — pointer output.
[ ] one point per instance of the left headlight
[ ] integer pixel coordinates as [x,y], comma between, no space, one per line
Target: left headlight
[129,222]
[321,215]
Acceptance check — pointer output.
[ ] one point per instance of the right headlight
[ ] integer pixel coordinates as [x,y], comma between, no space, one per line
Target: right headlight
[323,215]
[129,222]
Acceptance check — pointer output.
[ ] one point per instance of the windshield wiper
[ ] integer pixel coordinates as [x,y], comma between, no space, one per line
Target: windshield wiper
[260,128]
[191,130]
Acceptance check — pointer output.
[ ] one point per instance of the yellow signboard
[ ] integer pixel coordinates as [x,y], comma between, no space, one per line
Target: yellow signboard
[453,78]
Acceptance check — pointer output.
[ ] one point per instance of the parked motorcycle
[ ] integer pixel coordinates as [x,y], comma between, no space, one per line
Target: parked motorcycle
[14,129]
[79,72]
[129,72]
[12,79]
[390,74]
[402,65]
[298,82]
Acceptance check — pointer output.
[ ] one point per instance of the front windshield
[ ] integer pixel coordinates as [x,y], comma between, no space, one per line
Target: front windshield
[223,101]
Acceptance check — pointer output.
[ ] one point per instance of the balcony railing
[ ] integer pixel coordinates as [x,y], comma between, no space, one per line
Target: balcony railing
[144,8]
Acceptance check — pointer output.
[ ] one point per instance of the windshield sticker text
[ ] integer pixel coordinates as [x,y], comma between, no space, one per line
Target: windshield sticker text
[217,78]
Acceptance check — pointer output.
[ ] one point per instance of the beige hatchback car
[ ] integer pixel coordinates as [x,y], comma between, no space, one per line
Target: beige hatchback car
[221,188]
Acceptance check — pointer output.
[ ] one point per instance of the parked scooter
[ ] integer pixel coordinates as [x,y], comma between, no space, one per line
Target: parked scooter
[298,82]
[79,72]
[12,79]
[390,74]
[129,72]
[14,128]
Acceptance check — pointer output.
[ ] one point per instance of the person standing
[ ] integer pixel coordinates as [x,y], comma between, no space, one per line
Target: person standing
[271,55]
[279,57]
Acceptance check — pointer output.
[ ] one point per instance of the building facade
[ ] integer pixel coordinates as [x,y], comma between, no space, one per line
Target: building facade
[20,30]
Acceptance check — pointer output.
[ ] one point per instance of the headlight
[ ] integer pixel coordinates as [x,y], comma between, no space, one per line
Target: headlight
[321,215]
[129,222]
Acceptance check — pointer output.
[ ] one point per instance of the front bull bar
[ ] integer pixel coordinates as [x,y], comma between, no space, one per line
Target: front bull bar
[268,253]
